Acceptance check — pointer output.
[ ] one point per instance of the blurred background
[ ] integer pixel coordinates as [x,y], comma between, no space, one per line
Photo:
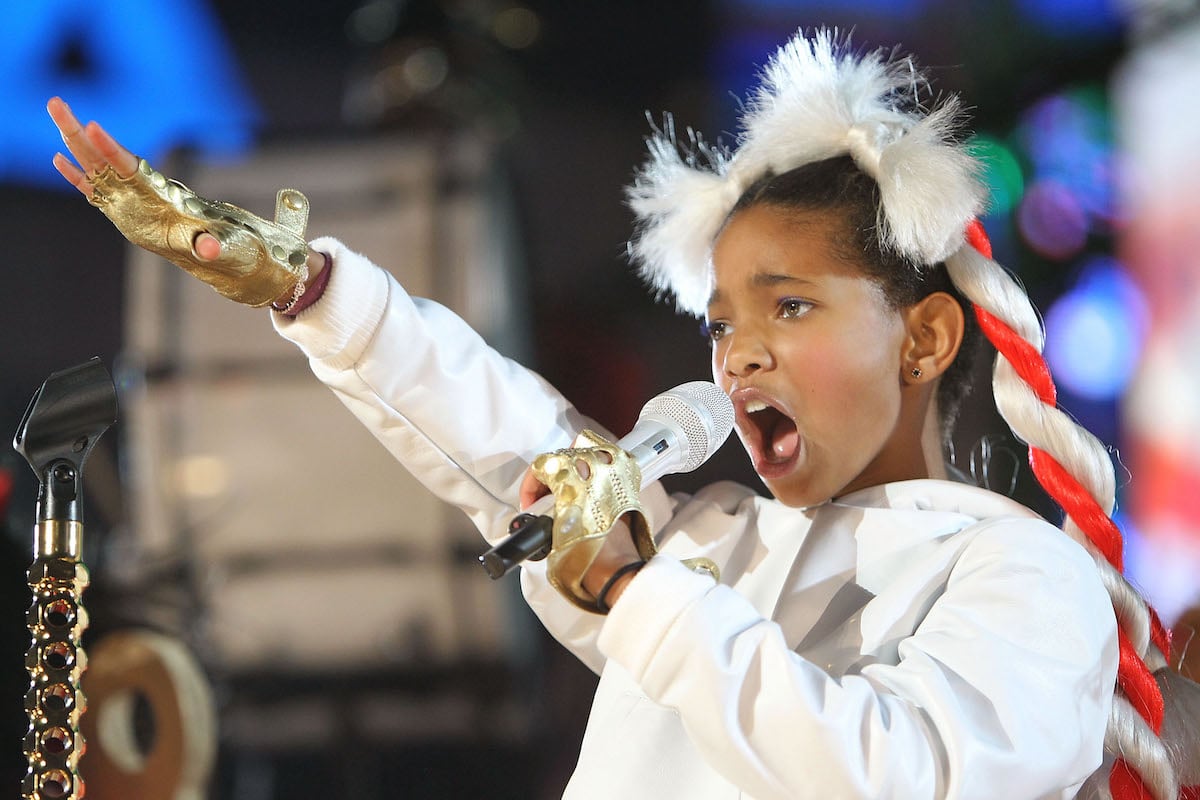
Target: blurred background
[333,613]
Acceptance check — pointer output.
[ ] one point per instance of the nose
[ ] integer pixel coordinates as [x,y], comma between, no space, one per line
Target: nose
[743,354]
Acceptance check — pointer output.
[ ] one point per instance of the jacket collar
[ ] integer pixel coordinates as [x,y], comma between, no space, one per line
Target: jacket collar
[900,524]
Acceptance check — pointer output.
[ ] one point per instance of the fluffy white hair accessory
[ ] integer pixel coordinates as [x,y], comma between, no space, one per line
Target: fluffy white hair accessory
[817,99]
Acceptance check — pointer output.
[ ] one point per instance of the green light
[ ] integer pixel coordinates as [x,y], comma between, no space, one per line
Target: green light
[1002,173]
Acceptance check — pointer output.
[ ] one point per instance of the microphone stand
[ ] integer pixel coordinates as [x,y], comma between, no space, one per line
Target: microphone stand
[66,416]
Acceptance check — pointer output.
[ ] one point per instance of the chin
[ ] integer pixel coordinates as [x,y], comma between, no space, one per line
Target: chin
[798,496]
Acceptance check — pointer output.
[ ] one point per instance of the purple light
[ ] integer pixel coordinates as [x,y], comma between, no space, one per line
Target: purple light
[1052,221]
[1068,140]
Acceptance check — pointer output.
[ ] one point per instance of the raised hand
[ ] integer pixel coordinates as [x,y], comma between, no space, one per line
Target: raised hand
[92,147]
[242,256]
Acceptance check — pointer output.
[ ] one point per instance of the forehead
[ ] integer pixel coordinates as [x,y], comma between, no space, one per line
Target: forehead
[764,244]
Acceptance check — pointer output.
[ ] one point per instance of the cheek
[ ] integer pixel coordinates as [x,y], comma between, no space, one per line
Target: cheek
[871,349]
[854,381]
[829,360]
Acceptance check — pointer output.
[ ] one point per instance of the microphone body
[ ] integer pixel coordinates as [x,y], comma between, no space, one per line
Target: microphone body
[677,431]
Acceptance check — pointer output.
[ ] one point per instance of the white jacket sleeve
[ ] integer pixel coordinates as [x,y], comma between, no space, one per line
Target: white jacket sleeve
[463,419]
[1004,687]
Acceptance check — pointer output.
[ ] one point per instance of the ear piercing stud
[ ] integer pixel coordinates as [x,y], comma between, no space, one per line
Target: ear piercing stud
[916,372]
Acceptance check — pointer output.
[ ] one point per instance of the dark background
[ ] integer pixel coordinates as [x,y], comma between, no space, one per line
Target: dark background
[568,112]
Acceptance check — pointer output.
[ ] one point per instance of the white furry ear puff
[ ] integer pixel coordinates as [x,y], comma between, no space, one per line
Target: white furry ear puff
[680,208]
[929,189]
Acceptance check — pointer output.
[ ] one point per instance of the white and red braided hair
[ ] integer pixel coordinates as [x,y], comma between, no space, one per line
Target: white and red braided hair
[819,100]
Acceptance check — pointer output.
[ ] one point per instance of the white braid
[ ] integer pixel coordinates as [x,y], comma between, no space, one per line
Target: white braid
[1043,426]
[1129,737]
[1130,608]
[1048,428]
[1096,787]
[991,286]
[988,285]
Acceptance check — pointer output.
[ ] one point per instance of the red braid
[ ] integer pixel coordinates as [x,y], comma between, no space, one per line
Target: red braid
[1133,676]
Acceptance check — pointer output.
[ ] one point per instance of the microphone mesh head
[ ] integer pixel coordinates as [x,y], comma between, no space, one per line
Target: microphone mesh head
[700,411]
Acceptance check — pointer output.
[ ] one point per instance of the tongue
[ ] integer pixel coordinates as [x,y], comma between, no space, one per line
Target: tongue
[784,440]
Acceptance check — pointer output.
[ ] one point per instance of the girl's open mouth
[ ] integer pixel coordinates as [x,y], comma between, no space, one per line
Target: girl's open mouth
[770,434]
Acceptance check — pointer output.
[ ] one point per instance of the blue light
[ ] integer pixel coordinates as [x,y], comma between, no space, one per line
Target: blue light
[1094,332]
[157,75]
[1073,19]
[1162,566]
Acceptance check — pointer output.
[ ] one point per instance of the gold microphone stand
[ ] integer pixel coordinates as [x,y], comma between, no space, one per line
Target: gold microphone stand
[66,416]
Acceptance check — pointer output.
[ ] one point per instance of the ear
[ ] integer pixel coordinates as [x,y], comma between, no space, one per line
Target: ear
[935,331]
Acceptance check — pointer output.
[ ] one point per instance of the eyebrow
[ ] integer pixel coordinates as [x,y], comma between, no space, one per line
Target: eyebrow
[763,280]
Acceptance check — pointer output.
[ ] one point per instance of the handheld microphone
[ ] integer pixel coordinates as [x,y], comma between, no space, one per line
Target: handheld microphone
[676,431]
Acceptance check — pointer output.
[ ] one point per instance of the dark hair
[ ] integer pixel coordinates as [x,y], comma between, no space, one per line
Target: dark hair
[838,185]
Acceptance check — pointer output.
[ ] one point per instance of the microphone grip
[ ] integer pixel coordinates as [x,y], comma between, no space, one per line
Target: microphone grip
[528,540]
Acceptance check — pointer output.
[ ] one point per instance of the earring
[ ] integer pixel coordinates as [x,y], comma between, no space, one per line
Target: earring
[916,372]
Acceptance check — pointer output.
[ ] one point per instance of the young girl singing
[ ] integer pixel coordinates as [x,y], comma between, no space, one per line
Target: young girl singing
[874,629]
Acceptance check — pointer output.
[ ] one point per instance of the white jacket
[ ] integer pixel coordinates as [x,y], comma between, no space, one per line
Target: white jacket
[914,640]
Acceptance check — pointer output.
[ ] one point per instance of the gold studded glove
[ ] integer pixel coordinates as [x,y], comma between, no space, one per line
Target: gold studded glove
[585,509]
[260,260]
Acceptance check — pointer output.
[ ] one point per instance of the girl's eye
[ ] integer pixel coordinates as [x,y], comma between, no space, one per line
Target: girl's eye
[713,331]
[791,308]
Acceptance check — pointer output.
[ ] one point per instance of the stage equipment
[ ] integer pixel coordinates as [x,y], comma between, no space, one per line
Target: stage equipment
[66,416]
[150,723]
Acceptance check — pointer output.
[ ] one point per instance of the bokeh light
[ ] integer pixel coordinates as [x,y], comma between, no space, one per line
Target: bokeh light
[1073,19]
[125,66]
[1070,192]
[1068,139]
[1051,221]
[1095,331]
[1163,568]
[1003,175]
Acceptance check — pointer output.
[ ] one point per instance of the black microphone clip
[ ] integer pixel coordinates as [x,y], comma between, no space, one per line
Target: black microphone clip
[528,540]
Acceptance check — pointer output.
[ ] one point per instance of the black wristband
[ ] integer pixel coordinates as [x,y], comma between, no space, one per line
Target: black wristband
[602,595]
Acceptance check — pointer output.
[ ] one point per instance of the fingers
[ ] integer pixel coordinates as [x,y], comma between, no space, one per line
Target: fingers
[123,161]
[531,489]
[73,174]
[74,138]
[92,146]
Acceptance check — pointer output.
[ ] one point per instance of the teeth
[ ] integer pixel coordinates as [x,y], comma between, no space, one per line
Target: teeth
[755,405]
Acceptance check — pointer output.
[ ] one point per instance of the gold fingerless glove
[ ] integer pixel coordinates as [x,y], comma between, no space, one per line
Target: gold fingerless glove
[585,509]
[260,260]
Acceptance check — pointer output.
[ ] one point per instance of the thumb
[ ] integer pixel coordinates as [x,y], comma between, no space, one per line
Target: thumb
[207,247]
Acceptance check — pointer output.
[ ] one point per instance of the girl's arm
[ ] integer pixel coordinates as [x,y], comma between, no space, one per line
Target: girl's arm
[463,419]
